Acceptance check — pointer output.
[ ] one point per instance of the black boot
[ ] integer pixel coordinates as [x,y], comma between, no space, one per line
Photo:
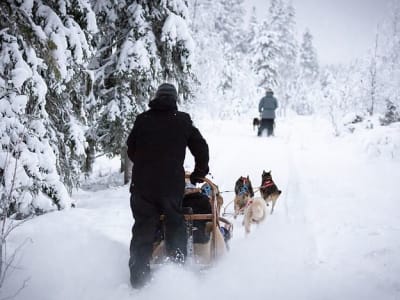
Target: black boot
[140,273]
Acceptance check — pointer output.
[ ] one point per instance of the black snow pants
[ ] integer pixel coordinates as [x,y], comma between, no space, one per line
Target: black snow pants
[146,211]
[267,124]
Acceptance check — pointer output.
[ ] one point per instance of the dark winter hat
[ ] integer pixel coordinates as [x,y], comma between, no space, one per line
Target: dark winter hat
[167,89]
[165,98]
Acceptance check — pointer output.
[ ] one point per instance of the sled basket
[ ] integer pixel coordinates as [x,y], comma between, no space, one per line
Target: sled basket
[219,228]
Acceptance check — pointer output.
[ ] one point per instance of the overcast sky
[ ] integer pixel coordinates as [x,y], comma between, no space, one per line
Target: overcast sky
[342,29]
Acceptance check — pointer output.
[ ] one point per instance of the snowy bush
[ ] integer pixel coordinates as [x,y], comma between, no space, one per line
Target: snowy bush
[384,142]
[391,115]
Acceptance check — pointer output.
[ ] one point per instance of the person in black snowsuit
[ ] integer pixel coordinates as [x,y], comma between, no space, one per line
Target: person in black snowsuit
[157,146]
[267,106]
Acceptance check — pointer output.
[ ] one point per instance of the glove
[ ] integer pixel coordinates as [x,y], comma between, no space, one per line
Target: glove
[194,178]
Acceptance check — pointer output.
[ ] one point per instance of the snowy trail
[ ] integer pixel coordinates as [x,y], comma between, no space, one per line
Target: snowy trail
[322,242]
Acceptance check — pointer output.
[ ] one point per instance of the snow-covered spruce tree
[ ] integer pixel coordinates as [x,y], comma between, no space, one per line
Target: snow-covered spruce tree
[43,52]
[307,78]
[332,104]
[390,57]
[238,82]
[248,43]
[221,63]
[209,58]
[175,45]
[125,67]
[391,115]
[229,25]
[140,45]
[276,52]
[266,57]
[372,81]
[270,49]
[30,181]
[285,25]
[308,60]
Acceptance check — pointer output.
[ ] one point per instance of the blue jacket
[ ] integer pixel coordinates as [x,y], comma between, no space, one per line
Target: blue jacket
[267,106]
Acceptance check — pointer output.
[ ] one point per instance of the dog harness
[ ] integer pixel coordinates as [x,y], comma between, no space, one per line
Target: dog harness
[244,189]
[267,184]
[250,201]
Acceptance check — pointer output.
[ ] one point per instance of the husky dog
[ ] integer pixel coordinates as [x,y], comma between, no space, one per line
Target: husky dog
[243,193]
[256,123]
[255,212]
[268,190]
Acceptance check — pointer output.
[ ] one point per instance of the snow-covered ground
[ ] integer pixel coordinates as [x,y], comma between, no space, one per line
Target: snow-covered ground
[335,232]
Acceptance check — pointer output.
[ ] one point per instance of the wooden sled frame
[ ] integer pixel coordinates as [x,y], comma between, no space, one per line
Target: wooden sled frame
[215,220]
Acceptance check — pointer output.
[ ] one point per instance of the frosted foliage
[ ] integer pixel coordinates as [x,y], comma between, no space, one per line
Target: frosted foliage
[108,7]
[122,71]
[77,137]
[308,59]
[177,6]
[227,86]
[90,16]
[266,59]
[134,56]
[69,43]
[138,21]
[229,21]
[28,140]
[27,5]
[113,111]
[175,30]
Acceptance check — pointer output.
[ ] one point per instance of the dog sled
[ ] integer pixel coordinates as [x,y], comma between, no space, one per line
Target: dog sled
[208,232]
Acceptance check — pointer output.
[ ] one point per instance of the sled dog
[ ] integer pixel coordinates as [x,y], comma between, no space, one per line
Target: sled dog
[256,123]
[243,193]
[268,189]
[255,212]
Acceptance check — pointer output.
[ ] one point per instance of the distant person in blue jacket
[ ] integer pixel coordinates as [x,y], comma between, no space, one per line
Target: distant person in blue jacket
[267,106]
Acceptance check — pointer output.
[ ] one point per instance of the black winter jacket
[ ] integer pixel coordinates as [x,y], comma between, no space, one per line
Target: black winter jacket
[157,147]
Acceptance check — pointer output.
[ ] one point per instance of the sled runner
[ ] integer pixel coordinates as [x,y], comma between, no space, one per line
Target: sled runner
[207,232]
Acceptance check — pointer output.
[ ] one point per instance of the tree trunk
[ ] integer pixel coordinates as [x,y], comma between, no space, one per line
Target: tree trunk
[126,165]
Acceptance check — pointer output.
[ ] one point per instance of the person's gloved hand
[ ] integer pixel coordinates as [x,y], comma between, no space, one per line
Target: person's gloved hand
[194,178]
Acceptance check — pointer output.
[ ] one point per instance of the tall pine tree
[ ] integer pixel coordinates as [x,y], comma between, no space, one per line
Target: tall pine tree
[309,67]
[141,44]
[44,47]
